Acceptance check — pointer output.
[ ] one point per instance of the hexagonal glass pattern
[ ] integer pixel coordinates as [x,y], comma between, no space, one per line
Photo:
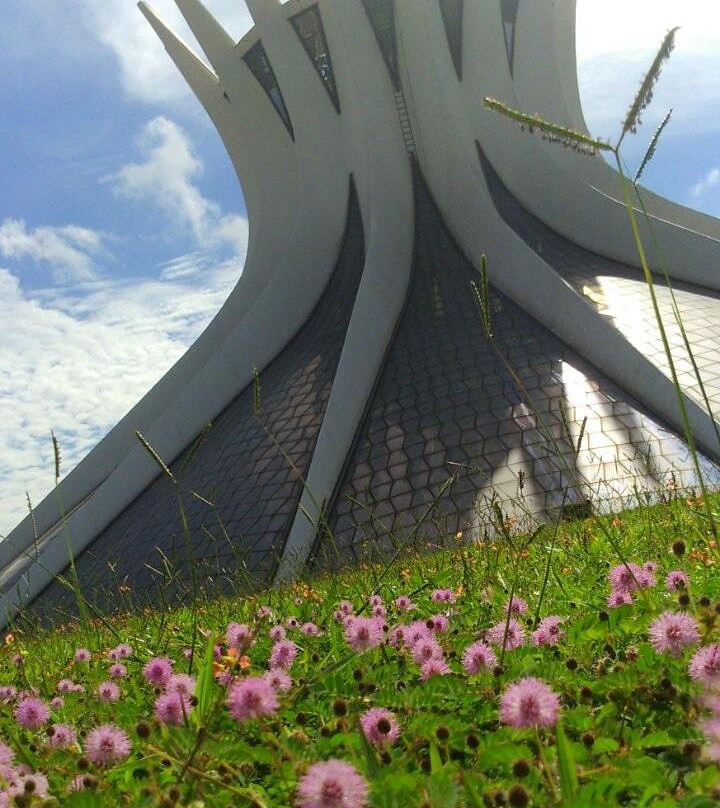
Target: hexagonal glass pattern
[619,292]
[459,422]
[242,486]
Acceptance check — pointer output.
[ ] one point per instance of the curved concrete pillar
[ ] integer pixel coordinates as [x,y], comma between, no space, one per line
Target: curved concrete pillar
[296,222]
[293,149]
[556,188]
[385,176]
[459,188]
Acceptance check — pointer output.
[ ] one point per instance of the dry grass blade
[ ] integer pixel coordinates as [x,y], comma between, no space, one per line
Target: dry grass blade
[650,153]
[56,455]
[156,457]
[256,392]
[195,447]
[645,93]
[570,138]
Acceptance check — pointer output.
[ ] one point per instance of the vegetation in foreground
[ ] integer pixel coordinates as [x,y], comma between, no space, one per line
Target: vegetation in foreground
[576,666]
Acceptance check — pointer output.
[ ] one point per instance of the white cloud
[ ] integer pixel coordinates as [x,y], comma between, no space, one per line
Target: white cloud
[75,358]
[710,180]
[78,360]
[69,251]
[616,42]
[146,71]
[166,178]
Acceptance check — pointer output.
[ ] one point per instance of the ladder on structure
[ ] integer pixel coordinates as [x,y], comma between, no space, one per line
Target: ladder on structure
[405,124]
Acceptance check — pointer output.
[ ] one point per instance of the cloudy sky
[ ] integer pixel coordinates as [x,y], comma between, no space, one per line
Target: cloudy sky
[122,226]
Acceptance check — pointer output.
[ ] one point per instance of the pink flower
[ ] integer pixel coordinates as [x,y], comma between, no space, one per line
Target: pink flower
[277,633]
[181,683]
[309,630]
[477,657]
[283,653]
[82,655]
[264,612]
[404,604]
[676,579]
[631,576]
[108,691]
[364,633]
[619,597]
[65,686]
[7,693]
[529,703]
[292,622]
[443,596]
[107,744]
[415,632]
[396,637]
[251,697]
[278,680]
[332,784]
[27,782]
[239,636]
[123,651]
[672,632]
[117,671]
[426,649]
[515,635]
[380,726]
[379,611]
[516,606]
[434,667]
[63,736]
[172,708]
[346,607]
[548,632]
[158,671]
[57,702]
[6,755]
[32,713]
[438,623]
[705,666]
[375,600]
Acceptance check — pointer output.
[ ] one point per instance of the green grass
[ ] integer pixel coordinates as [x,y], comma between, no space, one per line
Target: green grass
[629,731]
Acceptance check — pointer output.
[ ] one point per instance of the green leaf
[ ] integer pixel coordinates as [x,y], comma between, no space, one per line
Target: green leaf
[471,796]
[566,765]
[373,766]
[603,745]
[435,762]
[205,682]
[656,740]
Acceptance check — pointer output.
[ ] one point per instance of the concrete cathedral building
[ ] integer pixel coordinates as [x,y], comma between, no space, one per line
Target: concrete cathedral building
[375,181]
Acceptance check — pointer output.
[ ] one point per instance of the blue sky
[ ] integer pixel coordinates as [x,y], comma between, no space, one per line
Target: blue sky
[122,224]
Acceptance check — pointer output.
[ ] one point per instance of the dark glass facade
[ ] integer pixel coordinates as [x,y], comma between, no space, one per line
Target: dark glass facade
[381,14]
[257,60]
[509,11]
[452,17]
[242,486]
[309,27]
[455,414]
